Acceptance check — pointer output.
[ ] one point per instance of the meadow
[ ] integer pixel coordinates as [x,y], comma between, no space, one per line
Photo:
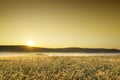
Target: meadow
[60,68]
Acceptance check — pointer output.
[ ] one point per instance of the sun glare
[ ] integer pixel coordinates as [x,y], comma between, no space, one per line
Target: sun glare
[30,43]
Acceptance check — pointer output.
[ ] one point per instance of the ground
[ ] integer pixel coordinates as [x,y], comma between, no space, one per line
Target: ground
[60,68]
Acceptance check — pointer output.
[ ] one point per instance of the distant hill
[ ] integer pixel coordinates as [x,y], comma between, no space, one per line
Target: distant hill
[22,48]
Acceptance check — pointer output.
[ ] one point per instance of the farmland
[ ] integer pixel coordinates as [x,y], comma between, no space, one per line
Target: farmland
[38,67]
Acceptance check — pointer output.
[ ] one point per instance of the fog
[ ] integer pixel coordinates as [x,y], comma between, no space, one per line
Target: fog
[14,54]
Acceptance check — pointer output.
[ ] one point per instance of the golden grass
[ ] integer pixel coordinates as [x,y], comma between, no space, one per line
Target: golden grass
[60,68]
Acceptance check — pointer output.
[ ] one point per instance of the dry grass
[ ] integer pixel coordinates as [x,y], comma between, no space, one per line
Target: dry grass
[60,68]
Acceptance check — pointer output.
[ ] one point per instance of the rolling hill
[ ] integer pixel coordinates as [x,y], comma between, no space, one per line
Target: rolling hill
[23,48]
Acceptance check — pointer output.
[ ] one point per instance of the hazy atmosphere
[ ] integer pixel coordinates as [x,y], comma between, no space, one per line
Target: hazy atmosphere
[60,23]
[59,40]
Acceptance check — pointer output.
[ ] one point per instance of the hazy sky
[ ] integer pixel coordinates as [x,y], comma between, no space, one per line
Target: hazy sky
[60,23]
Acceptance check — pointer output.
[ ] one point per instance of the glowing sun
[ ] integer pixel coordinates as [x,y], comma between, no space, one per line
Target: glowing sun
[30,43]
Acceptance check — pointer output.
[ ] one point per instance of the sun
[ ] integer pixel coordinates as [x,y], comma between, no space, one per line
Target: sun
[30,43]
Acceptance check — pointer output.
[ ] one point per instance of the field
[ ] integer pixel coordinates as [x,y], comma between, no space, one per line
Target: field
[60,68]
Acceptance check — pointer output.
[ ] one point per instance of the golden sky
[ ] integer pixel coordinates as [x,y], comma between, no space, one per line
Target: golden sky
[60,23]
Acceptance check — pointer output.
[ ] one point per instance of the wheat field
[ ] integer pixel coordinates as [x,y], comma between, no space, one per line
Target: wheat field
[60,68]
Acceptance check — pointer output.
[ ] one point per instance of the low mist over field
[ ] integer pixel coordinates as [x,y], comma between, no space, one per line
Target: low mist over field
[59,40]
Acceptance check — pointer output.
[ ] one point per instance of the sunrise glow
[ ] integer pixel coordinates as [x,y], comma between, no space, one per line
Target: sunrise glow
[30,43]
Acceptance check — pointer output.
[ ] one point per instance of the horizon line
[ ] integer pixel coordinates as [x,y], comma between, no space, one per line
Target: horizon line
[61,47]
